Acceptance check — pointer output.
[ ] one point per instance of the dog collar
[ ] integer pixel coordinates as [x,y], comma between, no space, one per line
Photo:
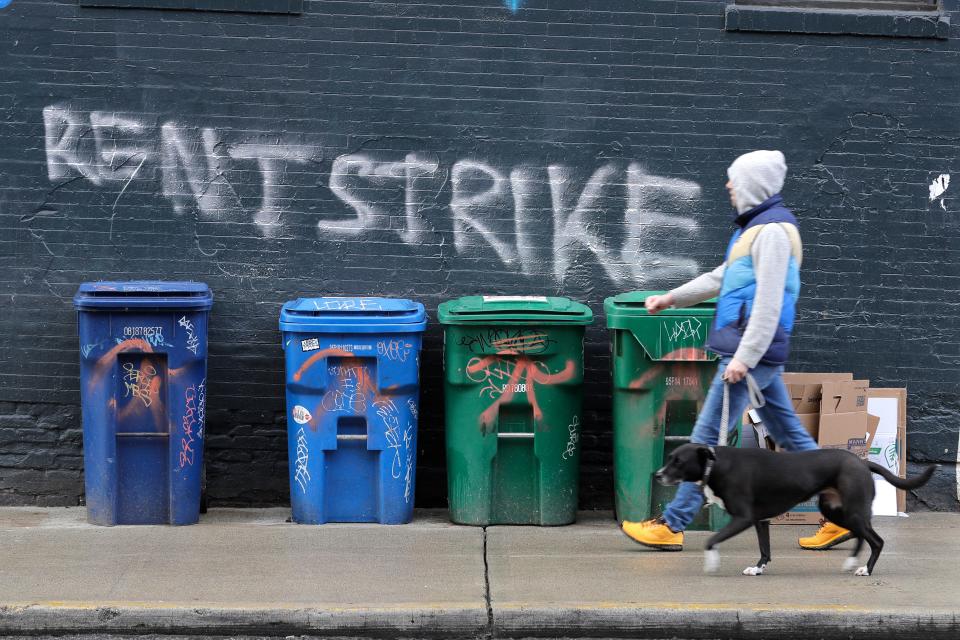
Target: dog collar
[709,466]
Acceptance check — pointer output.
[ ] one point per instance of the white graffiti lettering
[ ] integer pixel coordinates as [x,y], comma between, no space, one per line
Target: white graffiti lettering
[301,474]
[138,382]
[348,397]
[354,176]
[201,406]
[192,423]
[685,330]
[387,412]
[193,342]
[538,221]
[574,429]
[395,350]
[408,475]
[273,161]
[347,304]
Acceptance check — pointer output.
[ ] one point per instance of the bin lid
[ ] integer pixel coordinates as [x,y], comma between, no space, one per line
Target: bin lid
[671,334]
[633,304]
[336,314]
[143,294]
[517,309]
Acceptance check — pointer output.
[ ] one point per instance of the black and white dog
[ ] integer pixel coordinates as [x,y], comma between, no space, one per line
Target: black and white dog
[754,485]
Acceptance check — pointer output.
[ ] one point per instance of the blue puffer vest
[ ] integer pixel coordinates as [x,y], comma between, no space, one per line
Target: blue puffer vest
[740,283]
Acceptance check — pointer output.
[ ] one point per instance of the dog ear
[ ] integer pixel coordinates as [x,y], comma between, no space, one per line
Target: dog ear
[704,454]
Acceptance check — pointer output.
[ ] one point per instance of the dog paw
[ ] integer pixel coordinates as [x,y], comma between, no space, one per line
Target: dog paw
[850,563]
[862,571]
[711,561]
[754,571]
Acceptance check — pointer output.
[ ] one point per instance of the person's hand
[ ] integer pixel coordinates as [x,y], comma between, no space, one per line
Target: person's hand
[735,371]
[655,304]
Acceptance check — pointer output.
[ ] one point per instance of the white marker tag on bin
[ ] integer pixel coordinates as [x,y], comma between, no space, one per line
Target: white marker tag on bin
[301,415]
[311,344]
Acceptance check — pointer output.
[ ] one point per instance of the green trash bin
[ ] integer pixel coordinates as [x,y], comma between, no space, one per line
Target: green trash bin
[513,374]
[661,375]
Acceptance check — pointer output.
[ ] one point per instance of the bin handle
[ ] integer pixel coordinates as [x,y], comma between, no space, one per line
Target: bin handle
[513,434]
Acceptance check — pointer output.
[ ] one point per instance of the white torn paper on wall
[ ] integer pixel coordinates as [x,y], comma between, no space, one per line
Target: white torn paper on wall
[938,187]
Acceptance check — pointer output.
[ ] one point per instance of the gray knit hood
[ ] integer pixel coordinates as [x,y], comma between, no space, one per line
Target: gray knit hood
[756,176]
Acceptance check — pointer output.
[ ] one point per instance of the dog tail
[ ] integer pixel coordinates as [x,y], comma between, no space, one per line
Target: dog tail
[904,483]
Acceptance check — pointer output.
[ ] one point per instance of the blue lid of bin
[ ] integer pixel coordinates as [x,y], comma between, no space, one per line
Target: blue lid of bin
[349,315]
[143,294]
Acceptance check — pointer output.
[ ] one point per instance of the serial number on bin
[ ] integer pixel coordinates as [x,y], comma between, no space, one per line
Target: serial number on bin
[134,332]
[517,388]
[682,381]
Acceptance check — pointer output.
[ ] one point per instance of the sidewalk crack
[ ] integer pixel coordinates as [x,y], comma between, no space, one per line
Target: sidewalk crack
[486,585]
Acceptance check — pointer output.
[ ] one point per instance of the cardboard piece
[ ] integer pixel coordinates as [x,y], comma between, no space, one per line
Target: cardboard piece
[806,392]
[804,513]
[805,397]
[851,431]
[844,421]
[889,447]
[843,397]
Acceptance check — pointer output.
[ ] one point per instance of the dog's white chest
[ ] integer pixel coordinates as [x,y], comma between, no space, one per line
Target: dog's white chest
[712,497]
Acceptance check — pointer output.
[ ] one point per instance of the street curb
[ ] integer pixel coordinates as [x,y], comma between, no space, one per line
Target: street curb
[692,622]
[688,621]
[154,618]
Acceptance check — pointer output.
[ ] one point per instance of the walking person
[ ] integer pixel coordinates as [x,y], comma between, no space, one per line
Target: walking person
[758,285]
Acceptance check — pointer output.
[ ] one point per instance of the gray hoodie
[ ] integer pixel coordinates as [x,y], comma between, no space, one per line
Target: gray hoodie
[757,176]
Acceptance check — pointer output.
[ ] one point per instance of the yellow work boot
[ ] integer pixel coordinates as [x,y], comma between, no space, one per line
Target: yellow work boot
[654,534]
[829,535]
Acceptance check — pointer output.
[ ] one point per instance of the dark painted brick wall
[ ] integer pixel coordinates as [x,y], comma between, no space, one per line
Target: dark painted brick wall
[436,149]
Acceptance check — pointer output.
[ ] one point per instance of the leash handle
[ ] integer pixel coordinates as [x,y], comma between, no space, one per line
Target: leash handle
[756,401]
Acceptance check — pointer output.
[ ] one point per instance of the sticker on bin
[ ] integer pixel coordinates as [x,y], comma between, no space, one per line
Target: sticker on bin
[311,344]
[350,348]
[514,299]
[301,415]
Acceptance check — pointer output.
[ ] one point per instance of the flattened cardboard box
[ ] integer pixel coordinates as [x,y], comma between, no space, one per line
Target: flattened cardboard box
[805,394]
[844,421]
[889,446]
[853,432]
[843,396]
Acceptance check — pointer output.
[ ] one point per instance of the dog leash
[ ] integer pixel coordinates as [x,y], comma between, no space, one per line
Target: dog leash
[756,401]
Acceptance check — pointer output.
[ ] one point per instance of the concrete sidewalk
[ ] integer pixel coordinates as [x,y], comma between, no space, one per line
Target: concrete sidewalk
[250,572]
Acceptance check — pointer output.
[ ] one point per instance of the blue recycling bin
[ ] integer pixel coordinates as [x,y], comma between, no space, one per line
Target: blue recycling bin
[143,369]
[352,367]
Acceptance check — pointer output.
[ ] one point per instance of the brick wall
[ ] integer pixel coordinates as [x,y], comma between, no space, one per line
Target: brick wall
[436,149]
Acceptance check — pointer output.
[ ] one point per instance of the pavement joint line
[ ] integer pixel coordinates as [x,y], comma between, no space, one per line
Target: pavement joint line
[487,596]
